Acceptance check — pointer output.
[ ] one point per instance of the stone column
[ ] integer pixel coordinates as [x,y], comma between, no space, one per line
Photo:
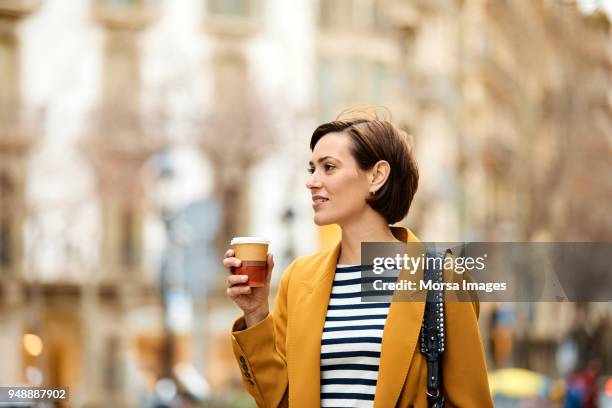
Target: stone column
[15,139]
[120,145]
[232,124]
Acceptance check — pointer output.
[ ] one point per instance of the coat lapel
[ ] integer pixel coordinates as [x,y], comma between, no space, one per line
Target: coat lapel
[399,341]
[307,331]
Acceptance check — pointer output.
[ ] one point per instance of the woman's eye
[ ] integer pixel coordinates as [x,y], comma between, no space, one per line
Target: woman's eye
[327,167]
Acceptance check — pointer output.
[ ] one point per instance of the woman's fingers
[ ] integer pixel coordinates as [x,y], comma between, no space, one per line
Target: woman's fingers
[236,280]
[228,253]
[231,262]
[236,291]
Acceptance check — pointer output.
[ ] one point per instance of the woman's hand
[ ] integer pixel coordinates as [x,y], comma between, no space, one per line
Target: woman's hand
[252,301]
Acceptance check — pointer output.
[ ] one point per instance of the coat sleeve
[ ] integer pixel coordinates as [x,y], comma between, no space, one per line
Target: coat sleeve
[260,352]
[464,371]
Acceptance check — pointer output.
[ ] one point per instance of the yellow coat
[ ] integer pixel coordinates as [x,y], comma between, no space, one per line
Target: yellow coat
[280,356]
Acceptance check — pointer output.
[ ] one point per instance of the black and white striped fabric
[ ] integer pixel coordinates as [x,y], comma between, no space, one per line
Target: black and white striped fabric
[351,343]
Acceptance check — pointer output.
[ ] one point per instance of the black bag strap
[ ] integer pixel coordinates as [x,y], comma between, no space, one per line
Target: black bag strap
[432,337]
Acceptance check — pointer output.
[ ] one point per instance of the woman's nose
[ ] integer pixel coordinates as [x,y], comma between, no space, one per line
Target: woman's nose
[313,182]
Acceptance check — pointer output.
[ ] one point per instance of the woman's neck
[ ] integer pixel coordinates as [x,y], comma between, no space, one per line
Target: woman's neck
[375,230]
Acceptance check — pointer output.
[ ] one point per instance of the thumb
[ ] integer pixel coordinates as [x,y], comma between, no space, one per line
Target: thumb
[270,266]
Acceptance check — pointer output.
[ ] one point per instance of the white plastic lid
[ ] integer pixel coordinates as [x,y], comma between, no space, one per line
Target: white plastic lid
[249,240]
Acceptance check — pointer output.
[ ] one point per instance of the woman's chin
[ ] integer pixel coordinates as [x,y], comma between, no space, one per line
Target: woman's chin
[321,221]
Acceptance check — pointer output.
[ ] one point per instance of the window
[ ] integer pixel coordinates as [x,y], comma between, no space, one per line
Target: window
[327,91]
[363,13]
[379,80]
[229,7]
[117,3]
[130,250]
[351,81]
[354,80]
[7,191]
[6,258]
[9,97]
[113,377]
[6,188]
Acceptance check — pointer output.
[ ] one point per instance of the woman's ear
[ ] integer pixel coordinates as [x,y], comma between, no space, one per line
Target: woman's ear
[379,175]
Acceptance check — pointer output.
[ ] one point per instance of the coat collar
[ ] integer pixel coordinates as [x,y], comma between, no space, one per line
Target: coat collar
[398,344]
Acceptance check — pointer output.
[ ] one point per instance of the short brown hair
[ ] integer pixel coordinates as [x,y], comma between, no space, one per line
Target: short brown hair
[374,140]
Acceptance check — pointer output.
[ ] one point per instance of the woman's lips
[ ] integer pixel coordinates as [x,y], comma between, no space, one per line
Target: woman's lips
[317,201]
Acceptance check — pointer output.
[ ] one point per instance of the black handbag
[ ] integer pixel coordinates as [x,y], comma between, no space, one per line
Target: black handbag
[432,331]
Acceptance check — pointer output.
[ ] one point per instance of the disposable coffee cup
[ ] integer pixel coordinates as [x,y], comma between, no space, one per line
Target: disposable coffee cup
[253,252]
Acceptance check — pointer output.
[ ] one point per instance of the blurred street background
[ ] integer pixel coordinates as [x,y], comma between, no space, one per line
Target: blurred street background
[138,136]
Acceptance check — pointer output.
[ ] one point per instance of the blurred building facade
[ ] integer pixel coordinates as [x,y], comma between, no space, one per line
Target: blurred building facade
[490,123]
[502,133]
[79,332]
[494,94]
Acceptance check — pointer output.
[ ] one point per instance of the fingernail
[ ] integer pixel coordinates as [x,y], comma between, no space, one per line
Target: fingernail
[244,278]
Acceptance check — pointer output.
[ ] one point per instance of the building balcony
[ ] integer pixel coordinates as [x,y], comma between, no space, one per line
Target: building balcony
[367,18]
[125,14]
[231,27]
[403,14]
[16,9]
[339,45]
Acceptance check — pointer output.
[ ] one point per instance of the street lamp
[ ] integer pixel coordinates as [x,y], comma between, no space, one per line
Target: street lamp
[187,224]
[165,176]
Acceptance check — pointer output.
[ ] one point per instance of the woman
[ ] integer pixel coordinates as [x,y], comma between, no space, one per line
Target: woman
[315,349]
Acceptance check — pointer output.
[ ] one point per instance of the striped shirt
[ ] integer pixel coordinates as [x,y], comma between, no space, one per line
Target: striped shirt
[351,342]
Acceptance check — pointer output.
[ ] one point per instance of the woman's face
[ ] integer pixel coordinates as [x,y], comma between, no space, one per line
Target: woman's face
[338,186]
